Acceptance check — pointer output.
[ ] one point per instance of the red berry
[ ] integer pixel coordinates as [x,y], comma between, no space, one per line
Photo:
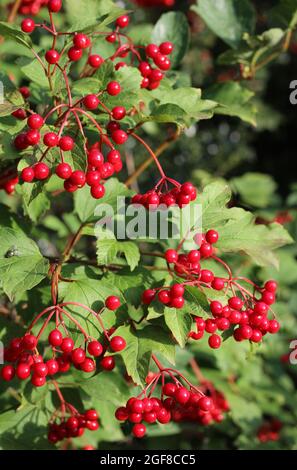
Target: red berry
[67,345]
[151,50]
[74,54]
[169,389]
[91,415]
[78,178]
[63,363]
[33,137]
[95,348]
[52,56]
[206,276]
[95,60]
[91,101]
[52,366]
[122,21]
[108,363]
[118,112]
[205,404]
[93,177]
[182,395]
[211,236]
[40,369]
[268,297]
[112,302]
[271,286]
[25,92]
[28,25]
[54,6]
[145,69]
[166,48]
[7,373]
[273,326]
[78,355]
[98,191]
[23,371]
[29,342]
[148,296]
[69,186]
[122,414]
[66,143]
[245,331]
[216,308]
[113,88]
[177,302]
[38,381]
[19,114]
[95,158]
[50,139]
[27,174]
[55,338]
[137,406]
[139,430]
[214,341]
[81,41]
[218,283]
[35,121]
[117,343]
[223,323]
[63,170]
[235,302]
[206,250]
[111,37]
[256,336]
[88,365]
[164,296]
[171,256]
[41,171]
[177,290]
[20,141]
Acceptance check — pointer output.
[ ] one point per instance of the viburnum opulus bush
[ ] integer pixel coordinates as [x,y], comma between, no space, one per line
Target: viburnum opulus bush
[102,334]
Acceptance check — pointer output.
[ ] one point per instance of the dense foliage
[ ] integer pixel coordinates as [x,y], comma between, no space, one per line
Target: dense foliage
[121,342]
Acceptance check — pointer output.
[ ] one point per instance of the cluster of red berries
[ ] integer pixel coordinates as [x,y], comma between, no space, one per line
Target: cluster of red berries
[97,168]
[73,426]
[180,405]
[270,431]
[186,265]
[152,77]
[30,7]
[246,322]
[9,185]
[155,3]
[171,297]
[25,360]
[181,195]
[97,171]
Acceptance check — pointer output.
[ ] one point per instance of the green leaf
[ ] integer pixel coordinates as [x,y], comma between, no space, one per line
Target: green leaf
[284,13]
[237,228]
[233,100]
[179,322]
[140,346]
[228,19]
[33,70]
[9,31]
[97,15]
[21,264]
[173,27]
[109,248]
[182,106]
[255,189]
[85,205]
[24,429]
